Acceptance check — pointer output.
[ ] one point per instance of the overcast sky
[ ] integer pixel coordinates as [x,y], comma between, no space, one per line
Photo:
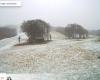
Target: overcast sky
[55,12]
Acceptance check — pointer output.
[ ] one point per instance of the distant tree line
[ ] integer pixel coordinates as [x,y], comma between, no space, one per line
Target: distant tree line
[6,32]
[98,32]
[74,31]
[94,32]
[59,29]
[40,30]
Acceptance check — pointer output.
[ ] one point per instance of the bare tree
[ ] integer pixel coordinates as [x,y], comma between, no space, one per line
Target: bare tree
[76,31]
[36,30]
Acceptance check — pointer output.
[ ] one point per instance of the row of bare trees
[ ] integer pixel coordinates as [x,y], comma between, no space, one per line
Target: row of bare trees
[76,31]
[40,30]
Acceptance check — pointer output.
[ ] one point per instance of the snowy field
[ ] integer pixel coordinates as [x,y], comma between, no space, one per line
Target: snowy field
[59,59]
[91,44]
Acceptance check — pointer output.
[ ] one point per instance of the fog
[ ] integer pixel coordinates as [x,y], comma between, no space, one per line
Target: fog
[55,12]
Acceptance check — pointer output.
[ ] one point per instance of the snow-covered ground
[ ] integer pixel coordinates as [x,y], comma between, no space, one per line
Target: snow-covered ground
[91,44]
[7,43]
[10,42]
[59,59]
